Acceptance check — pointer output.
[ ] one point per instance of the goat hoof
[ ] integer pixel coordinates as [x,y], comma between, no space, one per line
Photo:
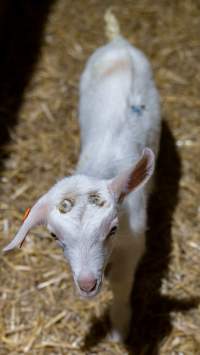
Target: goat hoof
[115,336]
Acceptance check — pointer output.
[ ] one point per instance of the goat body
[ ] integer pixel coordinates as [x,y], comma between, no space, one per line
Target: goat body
[119,118]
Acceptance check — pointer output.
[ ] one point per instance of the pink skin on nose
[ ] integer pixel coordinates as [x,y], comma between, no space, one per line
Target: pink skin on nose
[87,283]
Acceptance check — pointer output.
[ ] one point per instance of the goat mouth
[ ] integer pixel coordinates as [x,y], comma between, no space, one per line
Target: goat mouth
[93,292]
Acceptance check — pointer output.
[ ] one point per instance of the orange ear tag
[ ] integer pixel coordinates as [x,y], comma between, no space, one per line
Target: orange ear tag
[26,214]
[23,219]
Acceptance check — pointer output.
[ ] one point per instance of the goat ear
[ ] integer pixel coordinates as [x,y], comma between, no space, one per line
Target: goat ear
[37,215]
[135,177]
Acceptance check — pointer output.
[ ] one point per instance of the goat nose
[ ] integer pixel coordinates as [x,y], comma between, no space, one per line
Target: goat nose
[87,284]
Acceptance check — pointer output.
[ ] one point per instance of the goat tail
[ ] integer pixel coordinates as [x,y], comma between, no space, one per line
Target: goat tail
[112,27]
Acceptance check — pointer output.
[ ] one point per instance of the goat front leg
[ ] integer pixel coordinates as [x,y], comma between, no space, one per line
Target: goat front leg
[124,261]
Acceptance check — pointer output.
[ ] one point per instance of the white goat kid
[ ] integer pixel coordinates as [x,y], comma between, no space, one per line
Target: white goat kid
[119,118]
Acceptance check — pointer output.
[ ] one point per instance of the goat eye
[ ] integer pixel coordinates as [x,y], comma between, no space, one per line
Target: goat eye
[112,231]
[58,240]
[54,236]
[65,206]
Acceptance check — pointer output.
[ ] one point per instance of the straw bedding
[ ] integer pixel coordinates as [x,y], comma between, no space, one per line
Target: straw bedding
[44,46]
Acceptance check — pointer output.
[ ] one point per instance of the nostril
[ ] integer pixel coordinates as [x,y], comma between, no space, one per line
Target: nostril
[87,284]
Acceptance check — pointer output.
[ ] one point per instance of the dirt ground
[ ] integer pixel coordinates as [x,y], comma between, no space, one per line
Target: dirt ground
[43,49]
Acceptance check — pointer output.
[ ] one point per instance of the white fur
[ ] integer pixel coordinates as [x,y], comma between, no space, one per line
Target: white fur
[112,138]
[115,129]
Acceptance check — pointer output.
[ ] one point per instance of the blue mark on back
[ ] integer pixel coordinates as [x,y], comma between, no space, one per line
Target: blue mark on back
[138,109]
